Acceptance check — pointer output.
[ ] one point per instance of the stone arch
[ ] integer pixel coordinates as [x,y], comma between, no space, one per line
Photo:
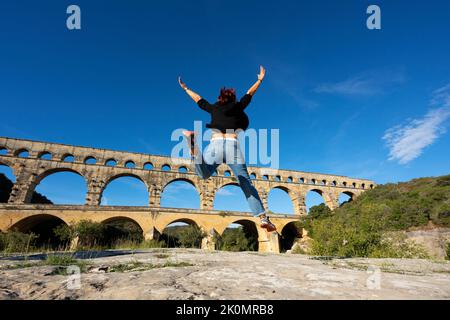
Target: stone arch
[68,157]
[250,230]
[111,162]
[350,194]
[48,172]
[148,166]
[289,194]
[42,225]
[181,220]
[190,182]
[90,160]
[288,235]
[4,151]
[183,169]
[114,177]
[169,236]
[43,154]
[227,183]
[123,218]
[129,164]
[237,195]
[117,229]
[21,153]
[327,199]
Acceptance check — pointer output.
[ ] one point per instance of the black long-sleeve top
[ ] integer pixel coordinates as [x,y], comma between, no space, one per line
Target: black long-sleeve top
[229,116]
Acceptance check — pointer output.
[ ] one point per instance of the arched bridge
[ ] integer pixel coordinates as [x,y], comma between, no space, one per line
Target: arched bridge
[32,161]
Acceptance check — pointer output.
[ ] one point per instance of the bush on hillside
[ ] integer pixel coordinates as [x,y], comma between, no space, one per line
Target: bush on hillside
[364,227]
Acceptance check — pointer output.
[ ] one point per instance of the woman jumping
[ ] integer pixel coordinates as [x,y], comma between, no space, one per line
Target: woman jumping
[227,117]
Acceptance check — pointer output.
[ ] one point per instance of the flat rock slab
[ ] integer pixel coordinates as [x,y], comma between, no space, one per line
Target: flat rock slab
[230,275]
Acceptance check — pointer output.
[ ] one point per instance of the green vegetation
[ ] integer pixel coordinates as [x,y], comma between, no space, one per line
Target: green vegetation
[115,235]
[16,242]
[60,260]
[234,239]
[364,227]
[189,236]
[322,210]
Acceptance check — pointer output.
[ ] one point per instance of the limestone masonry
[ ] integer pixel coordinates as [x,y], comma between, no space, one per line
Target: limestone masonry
[156,172]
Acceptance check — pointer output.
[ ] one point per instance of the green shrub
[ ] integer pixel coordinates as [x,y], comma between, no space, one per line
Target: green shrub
[90,234]
[362,236]
[13,241]
[320,211]
[60,260]
[117,234]
[234,239]
[190,237]
[122,230]
[132,244]
[94,235]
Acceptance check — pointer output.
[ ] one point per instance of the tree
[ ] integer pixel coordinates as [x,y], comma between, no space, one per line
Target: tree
[319,211]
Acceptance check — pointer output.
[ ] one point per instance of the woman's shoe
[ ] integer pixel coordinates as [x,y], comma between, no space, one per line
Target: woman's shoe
[267,224]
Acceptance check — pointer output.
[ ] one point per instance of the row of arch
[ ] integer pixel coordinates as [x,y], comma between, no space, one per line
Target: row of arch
[70,188]
[43,226]
[130,164]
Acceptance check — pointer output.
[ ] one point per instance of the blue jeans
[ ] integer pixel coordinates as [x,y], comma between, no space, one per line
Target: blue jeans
[227,151]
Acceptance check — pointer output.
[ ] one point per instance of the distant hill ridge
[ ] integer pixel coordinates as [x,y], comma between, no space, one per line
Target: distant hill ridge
[404,205]
[6,186]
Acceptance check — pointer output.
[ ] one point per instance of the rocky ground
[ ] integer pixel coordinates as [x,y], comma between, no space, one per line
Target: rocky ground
[196,274]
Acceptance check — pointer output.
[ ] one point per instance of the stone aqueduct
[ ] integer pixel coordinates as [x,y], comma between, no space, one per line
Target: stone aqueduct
[100,166]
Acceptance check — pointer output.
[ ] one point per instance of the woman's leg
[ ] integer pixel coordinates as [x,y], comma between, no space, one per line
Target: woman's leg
[250,192]
[206,165]
[236,162]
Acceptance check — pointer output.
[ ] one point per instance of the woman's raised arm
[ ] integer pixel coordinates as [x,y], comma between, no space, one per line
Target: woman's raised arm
[196,97]
[254,87]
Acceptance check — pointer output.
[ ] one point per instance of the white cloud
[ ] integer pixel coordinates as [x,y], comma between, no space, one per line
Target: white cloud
[225,192]
[406,142]
[178,186]
[368,83]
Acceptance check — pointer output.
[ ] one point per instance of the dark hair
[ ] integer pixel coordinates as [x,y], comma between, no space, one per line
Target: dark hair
[227,96]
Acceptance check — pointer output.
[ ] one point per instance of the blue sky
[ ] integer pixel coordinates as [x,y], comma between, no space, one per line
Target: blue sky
[347,100]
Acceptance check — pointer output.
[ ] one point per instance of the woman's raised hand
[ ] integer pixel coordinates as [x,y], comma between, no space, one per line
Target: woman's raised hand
[182,84]
[262,73]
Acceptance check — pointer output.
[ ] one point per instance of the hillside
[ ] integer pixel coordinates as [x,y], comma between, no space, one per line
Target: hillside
[6,187]
[408,204]
[366,226]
